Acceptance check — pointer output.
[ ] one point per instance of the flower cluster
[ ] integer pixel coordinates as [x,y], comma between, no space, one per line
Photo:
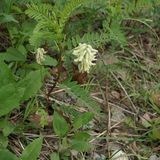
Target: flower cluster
[85,54]
[40,55]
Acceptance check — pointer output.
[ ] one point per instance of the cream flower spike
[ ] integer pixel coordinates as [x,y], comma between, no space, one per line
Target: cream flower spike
[40,55]
[85,54]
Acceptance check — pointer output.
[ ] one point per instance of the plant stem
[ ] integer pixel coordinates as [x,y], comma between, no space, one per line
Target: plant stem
[7,26]
[59,69]
[42,79]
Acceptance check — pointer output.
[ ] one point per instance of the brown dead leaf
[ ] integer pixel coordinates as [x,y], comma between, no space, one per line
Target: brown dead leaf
[126,100]
[37,118]
[156,99]
[145,117]
[114,95]
[78,77]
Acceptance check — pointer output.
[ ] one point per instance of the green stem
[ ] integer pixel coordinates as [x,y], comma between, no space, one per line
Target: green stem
[7,26]
[42,79]
[59,145]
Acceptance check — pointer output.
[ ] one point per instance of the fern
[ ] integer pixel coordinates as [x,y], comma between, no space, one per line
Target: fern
[69,8]
[44,14]
[98,39]
[37,38]
[77,92]
[140,5]
[68,64]
[110,67]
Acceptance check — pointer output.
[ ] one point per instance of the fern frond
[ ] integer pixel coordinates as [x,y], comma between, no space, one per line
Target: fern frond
[77,92]
[69,8]
[36,39]
[39,11]
[140,5]
[16,8]
[98,38]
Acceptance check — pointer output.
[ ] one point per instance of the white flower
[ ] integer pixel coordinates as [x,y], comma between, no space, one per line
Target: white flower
[85,54]
[40,55]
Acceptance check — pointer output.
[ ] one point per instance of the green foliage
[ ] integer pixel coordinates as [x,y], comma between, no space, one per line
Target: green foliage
[31,84]
[54,156]
[3,140]
[32,151]
[78,141]
[10,97]
[67,11]
[13,54]
[59,26]
[82,146]
[44,118]
[59,124]
[77,92]
[6,154]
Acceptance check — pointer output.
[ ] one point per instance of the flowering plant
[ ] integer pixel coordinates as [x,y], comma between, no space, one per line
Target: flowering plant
[40,55]
[85,54]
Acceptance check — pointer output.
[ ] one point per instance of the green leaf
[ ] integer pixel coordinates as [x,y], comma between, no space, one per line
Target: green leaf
[7,18]
[9,98]
[31,83]
[82,120]
[32,151]
[14,54]
[6,154]
[3,140]
[49,61]
[156,133]
[82,146]
[31,66]
[54,156]
[81,136]
[6,74]
[59,124]
[130,121]
[2,122]
[8,128]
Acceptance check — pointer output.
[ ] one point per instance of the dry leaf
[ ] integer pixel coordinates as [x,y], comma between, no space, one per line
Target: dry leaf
[37,118]
[117,156]
[156,99]
[78,77]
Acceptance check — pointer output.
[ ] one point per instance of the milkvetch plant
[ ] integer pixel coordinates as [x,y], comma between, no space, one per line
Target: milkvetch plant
[54,29]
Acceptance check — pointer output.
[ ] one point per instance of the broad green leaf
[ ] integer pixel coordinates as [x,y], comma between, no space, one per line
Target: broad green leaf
[8,128]
[3,122]
[5,154]
[156,133]
[81,136]
[59,124]
[9,98]
[23,50]
[49,61]
[3,140]
[6,75]
[31,66]
[32,151]
[7,18]
[82,146]
[82,120]
[31,83]
[7,4]
[54,156]
[130,122]
[14,54]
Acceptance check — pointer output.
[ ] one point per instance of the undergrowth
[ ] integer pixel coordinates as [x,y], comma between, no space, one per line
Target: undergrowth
[43,93]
